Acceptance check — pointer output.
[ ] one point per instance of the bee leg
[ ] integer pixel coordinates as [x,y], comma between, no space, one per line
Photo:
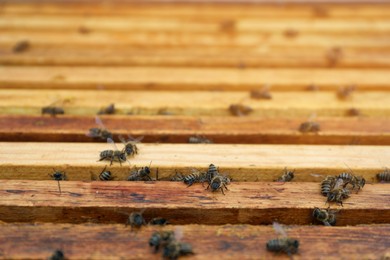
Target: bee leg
[222,191]
[224,185]
[208,186]
[59,186]
[149,178]
[326,223]
[157,174]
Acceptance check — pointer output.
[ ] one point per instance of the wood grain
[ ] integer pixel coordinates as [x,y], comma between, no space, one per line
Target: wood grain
[244,203]
[227,242]
[34,161]
[177,129]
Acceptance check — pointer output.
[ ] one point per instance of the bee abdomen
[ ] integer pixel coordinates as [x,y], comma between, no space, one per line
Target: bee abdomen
[345,176]
[274,245]
[384,176]
[192,178]
[105,176]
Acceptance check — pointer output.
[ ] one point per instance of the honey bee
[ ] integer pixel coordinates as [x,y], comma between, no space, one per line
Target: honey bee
[113,155]
[344,93]
[327,185]
[130,148]
[99,132]
[174,249]
[160,238]
[21,46]
[384,176]
[355,181]
[58,176]
[158,221]
[240,110]
[334,55]
[105,175]
[353,112]
[212,171]
[107,110]
[284,244]
[287,176]
[309,126]
[338,195]
[177,177]
[326,216]
[261,94]
[57,255]
[136,219]
[142,174]
[195,176]
[52,110]
[218,183]
[199,140]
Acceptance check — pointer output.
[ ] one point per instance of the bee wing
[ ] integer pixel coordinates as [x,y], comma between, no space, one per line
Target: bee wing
[109,140]
[315,175]
[135,140]
[99,122]
[178,233]
[279,229]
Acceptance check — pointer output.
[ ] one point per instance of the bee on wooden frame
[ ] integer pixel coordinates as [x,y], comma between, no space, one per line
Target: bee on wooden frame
[338,195]
[334,55]
[219,182]
[175,248]
[104,175]
[109,110]
[195,176]
[384,176]
[177,177]
[57,255]
[100,132]
[21,46]
[199,139]
[161,239]
[58,176]
[309,126]
[142,174]
[130,148]
[344,93]
[356,181]
[240,110]
[287,176]
[52,110]
[113,155]
[325,216]
[136,219]
[263,93]
[158,221]
[284,244]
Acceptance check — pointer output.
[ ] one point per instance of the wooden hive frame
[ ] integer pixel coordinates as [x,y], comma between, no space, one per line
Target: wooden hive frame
[172,70]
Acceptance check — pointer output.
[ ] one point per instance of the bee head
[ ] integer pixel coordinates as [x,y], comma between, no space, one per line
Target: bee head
[147,170]
[122,157]
[215,185]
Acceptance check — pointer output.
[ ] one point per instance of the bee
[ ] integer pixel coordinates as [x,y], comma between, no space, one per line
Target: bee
[199,140]
[261,94]
[161,238]
[105,175]
[136,219]
[218,183]
[58,176]
[84,30]
[99,132]
[353,112]
[174,249]
[52,110]
[384,176]
[326,216]
[107,110]
[287,176]
[338,195]
[177,177]
[309,126]
[327,185]
[313,87]
[195,176]
[113,155]
[344,93]
[142,174]
[21,46]
[334,55]
[57,255]
[130,148]
[212,171]
[158,221]
[355,181]
[240,110]
[284,244]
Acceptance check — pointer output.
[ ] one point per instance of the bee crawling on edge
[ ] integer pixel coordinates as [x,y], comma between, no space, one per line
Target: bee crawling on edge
[284,244]
[52,110]
[58,176]
[100,132]
[104,175]
[142,174]
[384,176]
[287,176]
[113,155]
[325,216]
[136,219]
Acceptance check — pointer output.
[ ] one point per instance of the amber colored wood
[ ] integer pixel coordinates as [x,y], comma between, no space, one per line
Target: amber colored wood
[287,57]
[34,161]
[175,129]
[154,78]
[227,242]
[244,203]
[308,104]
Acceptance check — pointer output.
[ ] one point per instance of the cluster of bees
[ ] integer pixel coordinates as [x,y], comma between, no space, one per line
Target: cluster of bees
[215,180]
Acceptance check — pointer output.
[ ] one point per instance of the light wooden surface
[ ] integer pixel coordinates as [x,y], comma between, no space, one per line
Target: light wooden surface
[244,203]
[188,78]
[177,129]
[227,242]
[307,104]
[35,161]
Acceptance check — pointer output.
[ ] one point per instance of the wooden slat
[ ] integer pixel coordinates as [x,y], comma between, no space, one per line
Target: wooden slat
[228,242]
[176,129]
[244,203]
[189,79]
[288,57]
[34,161]
[212,103]
[325,11]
